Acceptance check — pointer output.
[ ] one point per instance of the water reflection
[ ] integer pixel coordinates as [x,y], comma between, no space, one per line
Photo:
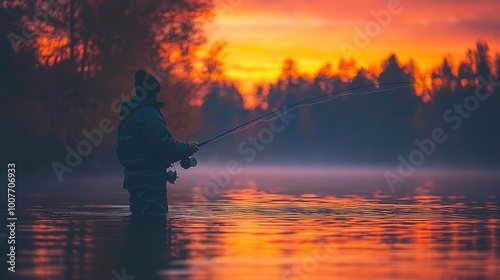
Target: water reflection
[250,232]
[148,246]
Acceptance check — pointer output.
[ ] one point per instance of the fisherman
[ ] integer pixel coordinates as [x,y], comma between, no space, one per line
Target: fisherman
[146,148]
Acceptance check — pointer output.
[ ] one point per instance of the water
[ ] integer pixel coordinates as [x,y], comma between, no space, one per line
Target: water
[268,224]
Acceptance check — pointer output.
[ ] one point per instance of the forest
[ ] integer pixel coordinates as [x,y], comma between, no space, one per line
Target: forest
[67,65]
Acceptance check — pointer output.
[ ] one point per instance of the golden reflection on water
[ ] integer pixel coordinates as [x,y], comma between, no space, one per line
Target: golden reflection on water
[251,233]
[275,236]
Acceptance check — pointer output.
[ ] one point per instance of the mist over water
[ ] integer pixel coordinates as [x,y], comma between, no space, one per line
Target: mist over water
[322,112]
[268,223]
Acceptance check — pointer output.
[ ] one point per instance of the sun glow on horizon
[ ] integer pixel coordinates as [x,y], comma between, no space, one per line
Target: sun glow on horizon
[261,35]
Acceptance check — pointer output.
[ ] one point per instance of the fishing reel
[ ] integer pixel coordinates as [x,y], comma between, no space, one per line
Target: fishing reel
[188,162]
[171,176]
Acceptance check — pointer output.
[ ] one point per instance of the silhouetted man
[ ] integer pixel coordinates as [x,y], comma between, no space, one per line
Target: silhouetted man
[146,147]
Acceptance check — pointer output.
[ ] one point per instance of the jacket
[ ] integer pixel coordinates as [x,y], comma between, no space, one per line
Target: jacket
[145,146]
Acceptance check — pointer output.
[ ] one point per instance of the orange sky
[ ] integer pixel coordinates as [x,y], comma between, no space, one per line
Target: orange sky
[261,34]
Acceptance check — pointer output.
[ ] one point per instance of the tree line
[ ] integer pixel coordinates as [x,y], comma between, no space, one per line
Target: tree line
[67,64]
[462,99]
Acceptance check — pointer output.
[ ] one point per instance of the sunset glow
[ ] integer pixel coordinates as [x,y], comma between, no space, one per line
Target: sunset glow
[251,139]
[262,34]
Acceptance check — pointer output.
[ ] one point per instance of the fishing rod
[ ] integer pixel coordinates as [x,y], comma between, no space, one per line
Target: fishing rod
[192,162]
[293,106]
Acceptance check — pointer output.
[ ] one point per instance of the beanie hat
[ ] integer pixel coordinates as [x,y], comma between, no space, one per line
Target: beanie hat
[145,82]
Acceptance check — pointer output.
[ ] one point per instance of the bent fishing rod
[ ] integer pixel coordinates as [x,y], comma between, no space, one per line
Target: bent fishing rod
[189,162]
[292,106]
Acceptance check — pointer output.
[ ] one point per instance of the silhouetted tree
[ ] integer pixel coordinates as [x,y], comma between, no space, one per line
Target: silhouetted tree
[482,59]
[85,54]
[81,59]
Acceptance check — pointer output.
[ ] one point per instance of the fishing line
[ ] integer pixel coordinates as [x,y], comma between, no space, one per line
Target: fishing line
[305,103]
[311,104]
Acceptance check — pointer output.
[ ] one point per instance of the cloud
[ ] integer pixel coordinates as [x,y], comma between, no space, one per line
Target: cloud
[262,32]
